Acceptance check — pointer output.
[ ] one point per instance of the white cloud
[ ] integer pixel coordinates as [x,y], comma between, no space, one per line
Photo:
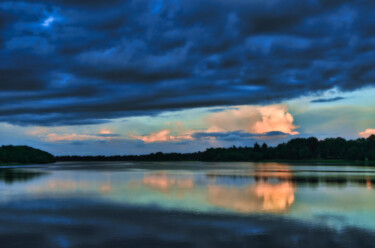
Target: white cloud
[47,22]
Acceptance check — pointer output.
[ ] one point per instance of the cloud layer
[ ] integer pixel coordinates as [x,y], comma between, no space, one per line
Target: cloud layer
[85,62]
[233,124]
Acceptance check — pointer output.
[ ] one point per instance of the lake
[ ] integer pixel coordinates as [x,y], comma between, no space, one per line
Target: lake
[187,204]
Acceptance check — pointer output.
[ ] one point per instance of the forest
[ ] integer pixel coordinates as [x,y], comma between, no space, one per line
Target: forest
[296,149]
[24,155]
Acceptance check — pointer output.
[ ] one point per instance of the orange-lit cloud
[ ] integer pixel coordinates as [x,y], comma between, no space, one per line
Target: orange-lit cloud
[253,119]
[53,137]
[105,131]
[162,136]
[38,131]
[367,133]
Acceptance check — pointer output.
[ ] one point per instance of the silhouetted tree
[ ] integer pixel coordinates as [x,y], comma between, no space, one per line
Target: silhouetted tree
[257,148]
[295,149]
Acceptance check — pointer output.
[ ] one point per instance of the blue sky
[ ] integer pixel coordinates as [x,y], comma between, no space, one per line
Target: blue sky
[132,77]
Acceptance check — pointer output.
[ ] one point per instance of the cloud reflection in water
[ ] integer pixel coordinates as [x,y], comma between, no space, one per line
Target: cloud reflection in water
[261,197]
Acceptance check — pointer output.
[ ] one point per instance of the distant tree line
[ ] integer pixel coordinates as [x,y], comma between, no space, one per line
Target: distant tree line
[296,149]
[24,155]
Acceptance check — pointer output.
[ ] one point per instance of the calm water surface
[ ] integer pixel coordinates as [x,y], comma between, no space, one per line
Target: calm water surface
[187,204]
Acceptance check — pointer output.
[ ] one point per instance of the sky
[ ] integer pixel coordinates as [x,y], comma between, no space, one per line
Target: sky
[93,77]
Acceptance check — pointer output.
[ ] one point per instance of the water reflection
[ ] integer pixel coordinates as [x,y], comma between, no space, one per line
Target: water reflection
[77,223]
[10,176]
[260,197]
[65,185]
[301,176]
[369,183]
[164,182]
[260,193]
[308,193]
[106,187]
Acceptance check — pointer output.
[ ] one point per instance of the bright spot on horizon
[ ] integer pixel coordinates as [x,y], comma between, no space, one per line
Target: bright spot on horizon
[47,22]
[105,131]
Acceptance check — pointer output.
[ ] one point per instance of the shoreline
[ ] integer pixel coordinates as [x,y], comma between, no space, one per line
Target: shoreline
[314,162]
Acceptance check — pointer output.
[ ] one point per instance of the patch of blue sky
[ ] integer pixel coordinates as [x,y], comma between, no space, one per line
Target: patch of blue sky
[157,6]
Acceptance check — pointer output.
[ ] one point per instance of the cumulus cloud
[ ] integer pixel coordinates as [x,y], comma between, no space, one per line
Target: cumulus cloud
[367,133]
[253,119]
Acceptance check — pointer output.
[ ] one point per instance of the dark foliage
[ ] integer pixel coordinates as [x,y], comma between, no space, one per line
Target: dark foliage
[296,149]
[24,155]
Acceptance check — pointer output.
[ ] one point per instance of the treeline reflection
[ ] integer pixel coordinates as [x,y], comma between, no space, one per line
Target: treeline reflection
[10,176]
[311,180]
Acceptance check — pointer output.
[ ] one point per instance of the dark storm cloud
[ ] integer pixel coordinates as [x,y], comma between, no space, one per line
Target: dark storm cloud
[24,73]
[79,3]
[226,136]
[77,62]
[237,135]
[109,135]
[323,100]
[5,19]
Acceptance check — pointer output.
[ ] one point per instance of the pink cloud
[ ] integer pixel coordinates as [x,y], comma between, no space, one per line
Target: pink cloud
[58,136]
[38,131]
[53,137]
[367,133]
[162,136]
